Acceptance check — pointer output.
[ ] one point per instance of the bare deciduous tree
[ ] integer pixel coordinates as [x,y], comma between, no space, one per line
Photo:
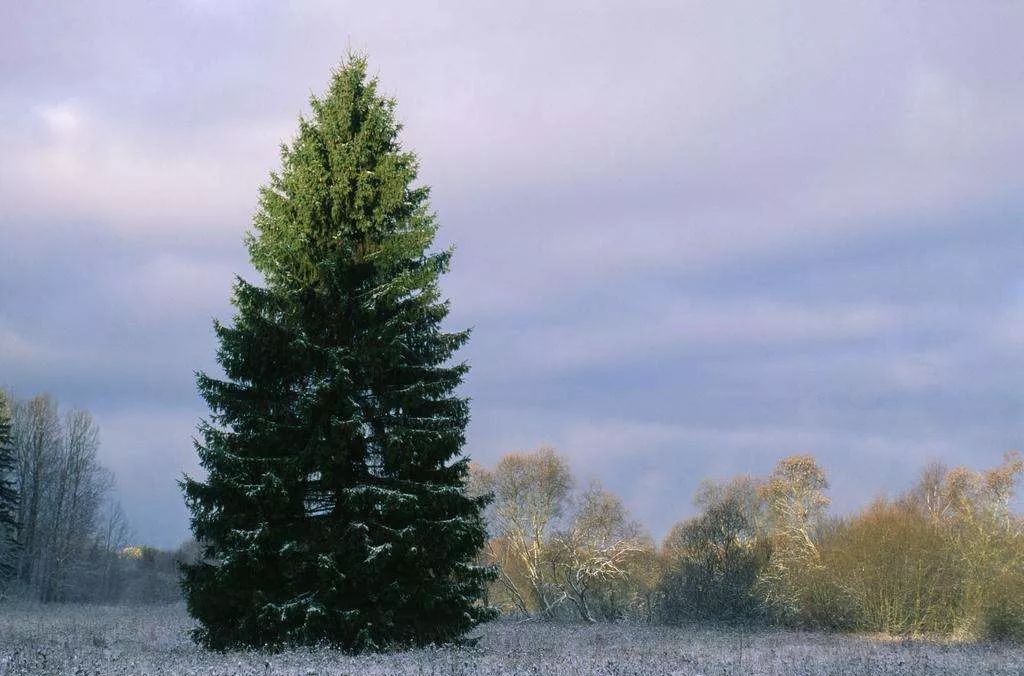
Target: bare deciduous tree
[37,439]
[796,501]
[64,541]
[597,552]
[531,491]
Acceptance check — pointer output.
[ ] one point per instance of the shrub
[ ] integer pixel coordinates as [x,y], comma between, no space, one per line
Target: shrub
[897,569]
[712,568]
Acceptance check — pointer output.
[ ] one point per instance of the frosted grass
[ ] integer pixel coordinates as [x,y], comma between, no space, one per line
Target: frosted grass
[154,640]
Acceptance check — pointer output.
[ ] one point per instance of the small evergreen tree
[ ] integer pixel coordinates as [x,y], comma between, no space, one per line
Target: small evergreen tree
[8,497]
[335,507]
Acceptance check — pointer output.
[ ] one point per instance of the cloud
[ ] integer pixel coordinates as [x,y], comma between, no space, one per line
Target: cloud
[19,348]
[136,184]
[62,119]
[674,325]
[689,238]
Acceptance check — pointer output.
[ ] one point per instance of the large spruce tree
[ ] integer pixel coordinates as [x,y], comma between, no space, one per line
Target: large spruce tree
[334,509]
[8,496]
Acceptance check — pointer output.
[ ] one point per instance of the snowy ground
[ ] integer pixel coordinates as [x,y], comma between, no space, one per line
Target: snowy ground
[101,640]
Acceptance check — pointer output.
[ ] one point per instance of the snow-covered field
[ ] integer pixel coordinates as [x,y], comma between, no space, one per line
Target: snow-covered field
[105,640]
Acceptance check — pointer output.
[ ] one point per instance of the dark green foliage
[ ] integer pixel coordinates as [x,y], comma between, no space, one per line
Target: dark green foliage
[334,510]
[8,497]
[712,563]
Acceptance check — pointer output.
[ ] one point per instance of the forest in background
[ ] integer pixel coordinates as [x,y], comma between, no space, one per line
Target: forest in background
[943,558]
[67,538]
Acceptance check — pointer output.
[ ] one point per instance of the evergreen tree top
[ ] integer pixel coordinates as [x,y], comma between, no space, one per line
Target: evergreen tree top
[344,183]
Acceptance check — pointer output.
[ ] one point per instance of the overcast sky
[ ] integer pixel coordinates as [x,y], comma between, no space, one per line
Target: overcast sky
[692,238]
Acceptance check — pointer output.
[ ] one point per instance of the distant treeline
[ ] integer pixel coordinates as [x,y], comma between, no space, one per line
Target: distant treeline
[947,557]
[65,538]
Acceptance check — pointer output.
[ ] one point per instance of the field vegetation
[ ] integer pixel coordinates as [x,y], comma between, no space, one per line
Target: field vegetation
[153,640]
